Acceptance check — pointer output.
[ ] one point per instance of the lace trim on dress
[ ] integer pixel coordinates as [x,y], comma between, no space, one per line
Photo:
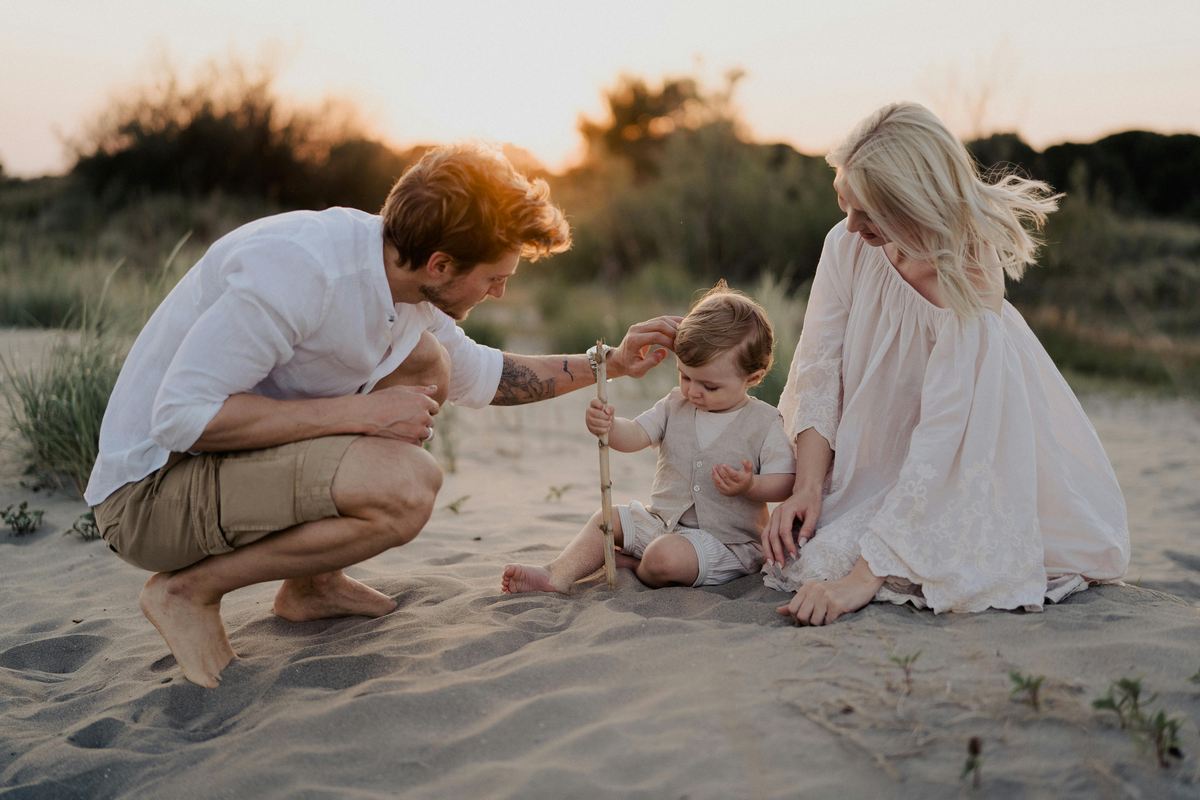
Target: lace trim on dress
[829,555]
[817,398]
[986,550]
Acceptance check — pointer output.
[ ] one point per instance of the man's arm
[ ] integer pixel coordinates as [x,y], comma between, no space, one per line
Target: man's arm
[252,422]
[527,379]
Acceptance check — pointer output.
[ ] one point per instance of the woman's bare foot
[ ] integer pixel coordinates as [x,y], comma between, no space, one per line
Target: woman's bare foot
[518,578]
[330,594]
[822,602]
[192,629]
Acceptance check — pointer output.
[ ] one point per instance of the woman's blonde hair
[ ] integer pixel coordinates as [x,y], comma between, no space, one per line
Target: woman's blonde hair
[722,320]
[919,184]
[468,201]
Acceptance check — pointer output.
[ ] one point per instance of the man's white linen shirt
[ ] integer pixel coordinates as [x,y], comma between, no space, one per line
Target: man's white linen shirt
[292,306]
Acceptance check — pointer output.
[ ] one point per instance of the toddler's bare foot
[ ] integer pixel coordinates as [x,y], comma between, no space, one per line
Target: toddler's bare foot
[627,562]
[331,594]
[518,578]
[192,628]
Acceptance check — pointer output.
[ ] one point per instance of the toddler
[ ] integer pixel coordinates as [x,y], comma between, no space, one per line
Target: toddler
[723,455]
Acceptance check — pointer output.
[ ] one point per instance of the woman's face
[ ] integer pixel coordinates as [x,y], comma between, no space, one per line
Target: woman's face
[857,220]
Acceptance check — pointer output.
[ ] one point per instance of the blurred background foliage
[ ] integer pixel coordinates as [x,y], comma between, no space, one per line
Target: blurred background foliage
[671,195]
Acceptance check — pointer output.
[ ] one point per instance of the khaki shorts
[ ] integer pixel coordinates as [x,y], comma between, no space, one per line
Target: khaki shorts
[197,506]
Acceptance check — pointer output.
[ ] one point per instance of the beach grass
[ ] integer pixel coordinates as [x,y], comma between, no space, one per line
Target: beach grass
[56,407]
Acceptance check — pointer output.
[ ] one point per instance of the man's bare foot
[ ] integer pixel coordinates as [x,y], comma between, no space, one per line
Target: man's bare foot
[518,578]
[330,594]
[192,629]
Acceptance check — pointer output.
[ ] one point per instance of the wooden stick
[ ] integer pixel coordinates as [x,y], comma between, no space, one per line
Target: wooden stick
[610,555]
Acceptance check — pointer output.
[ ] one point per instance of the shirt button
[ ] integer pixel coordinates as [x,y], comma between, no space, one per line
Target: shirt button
[696,488]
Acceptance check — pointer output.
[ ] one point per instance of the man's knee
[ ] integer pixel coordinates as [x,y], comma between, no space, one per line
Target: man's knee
[409,494]
[427,365]
[392,485]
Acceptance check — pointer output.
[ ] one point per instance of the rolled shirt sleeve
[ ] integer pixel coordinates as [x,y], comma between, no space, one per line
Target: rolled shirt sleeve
[239,339]
[474,368]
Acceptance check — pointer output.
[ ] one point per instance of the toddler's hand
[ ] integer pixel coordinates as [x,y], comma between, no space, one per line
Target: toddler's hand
[731,482]
[599,417]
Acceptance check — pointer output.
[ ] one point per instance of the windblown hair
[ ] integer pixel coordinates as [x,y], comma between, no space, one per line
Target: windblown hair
[721,320]
[468,201]
[921,187]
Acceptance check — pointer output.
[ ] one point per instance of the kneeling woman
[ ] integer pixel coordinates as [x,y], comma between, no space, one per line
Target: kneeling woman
[941,457]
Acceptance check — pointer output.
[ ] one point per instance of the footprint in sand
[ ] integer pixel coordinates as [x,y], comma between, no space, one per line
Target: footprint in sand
[59,655]
[476,652]
[98,734]
[335,672]
[1184,559]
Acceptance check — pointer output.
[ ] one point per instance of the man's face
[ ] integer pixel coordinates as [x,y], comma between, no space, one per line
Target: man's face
[460,292]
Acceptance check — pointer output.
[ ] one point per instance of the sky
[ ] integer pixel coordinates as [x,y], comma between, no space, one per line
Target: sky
[525,71]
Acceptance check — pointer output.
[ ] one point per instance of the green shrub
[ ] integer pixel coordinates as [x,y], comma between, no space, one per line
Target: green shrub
[786,313]
[484,331]
[57,408]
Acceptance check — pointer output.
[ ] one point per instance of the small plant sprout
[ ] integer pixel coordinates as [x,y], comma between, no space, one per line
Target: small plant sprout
[1124,699]
[554,494]
[22,519]
[84,527]
[455,506]
[1158,730]
[974,763]
[1029,686]
[1162,732]
[906,663]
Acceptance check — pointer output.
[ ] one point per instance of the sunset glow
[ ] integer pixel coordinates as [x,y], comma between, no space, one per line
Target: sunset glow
[524,72]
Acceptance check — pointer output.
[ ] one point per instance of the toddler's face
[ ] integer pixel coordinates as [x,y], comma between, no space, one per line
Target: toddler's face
[718,385]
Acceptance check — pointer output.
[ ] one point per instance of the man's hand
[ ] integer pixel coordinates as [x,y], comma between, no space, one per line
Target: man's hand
[644,347]
[599,417]
[733,482]
[400,412]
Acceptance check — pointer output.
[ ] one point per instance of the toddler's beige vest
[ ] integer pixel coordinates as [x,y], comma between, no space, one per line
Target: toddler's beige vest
[684,475]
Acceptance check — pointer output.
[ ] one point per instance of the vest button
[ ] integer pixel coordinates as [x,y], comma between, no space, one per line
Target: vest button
[696,488]
[699,463]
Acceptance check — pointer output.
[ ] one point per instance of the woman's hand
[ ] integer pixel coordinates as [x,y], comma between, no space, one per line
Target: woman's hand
[778,540]
[821,602]
[732,482]
[599,417]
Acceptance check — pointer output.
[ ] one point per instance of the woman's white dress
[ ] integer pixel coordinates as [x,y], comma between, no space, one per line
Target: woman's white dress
[964,468]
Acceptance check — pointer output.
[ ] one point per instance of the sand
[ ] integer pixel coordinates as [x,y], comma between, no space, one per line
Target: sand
[670,693]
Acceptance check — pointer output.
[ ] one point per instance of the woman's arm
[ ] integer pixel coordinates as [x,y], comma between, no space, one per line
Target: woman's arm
[813,457]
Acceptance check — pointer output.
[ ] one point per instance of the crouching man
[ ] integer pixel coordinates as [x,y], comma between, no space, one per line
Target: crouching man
[268,421]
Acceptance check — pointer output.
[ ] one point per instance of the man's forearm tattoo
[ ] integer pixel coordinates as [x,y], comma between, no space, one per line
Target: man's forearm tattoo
[567,370]
[520,384]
